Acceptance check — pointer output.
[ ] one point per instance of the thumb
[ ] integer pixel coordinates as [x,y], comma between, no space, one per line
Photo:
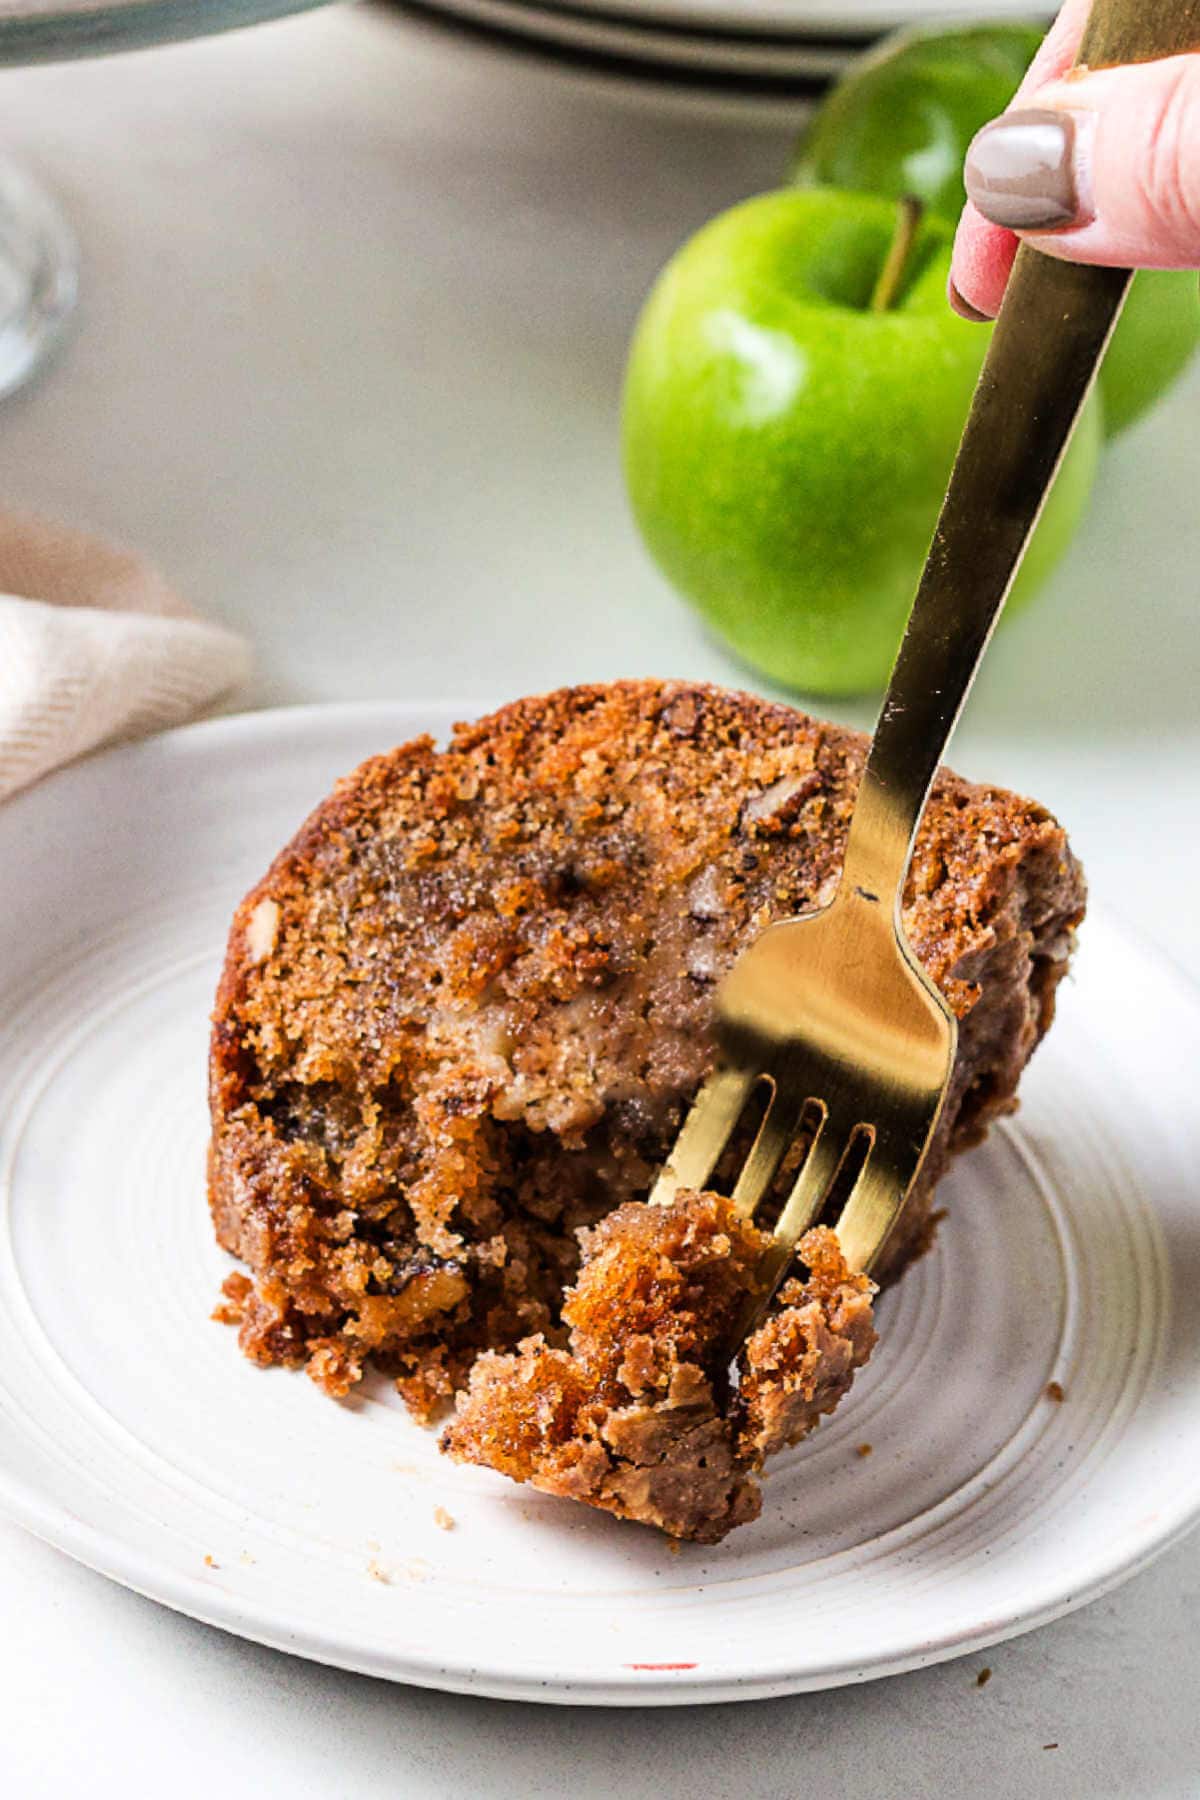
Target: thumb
[1102,166]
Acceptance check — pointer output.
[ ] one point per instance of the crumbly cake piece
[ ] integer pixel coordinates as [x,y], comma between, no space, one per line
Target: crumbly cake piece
[638,1416]
[464,1012]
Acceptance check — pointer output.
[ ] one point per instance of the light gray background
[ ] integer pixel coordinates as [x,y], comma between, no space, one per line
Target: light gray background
[357,298]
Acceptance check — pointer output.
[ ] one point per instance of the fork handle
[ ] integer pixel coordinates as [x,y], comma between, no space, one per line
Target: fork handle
[1048,343]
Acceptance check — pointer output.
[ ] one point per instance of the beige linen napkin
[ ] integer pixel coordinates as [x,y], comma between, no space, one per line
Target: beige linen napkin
[94,646]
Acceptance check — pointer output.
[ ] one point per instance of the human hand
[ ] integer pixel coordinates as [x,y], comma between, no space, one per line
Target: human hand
[1099,166]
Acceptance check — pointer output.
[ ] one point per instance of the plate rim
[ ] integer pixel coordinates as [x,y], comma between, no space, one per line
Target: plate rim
[657,45]
[852,24]
[52,1523]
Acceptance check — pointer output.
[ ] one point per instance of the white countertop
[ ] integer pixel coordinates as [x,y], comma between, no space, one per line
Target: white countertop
[357,297]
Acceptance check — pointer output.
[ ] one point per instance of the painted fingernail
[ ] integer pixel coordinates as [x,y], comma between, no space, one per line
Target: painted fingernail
[963,308]
[1029,171]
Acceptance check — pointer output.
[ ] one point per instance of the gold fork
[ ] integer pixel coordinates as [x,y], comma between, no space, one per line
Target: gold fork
[831,1011]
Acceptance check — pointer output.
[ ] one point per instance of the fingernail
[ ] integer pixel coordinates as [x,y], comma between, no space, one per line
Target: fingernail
[963,308]
[1030,170]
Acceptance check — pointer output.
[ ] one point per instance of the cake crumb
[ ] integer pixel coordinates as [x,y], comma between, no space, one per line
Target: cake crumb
[632,1417]
[211,1563]
[442,1519]
[864,1450]
[378,1573]
[674,1547]
[983,1677]
[1055,1391]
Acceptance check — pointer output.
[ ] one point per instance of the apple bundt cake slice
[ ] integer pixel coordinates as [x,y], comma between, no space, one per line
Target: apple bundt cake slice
[464,1012]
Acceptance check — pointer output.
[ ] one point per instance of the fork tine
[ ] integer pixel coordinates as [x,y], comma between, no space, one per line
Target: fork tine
[871,1209]
[818,1169]
[811,1184]
[775,1137]
[713,1114]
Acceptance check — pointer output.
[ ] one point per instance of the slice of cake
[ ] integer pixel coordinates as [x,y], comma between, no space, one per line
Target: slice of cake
[465,1011]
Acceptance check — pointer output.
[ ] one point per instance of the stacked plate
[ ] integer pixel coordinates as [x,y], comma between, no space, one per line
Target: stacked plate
[769,41]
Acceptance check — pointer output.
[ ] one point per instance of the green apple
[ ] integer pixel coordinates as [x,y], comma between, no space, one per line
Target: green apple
[1153,344]
[900,120]
[900,123]
[787,447]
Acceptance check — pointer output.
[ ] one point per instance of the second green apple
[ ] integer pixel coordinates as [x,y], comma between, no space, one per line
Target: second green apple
[900,122]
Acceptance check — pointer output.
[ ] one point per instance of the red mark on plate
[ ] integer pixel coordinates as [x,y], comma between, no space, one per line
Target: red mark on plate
[662,1665]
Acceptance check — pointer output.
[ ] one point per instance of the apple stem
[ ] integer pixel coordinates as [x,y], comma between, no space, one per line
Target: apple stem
[908,223]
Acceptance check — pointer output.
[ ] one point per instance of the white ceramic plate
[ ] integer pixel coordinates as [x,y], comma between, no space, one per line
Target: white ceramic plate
[135,1437]
[634,40]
